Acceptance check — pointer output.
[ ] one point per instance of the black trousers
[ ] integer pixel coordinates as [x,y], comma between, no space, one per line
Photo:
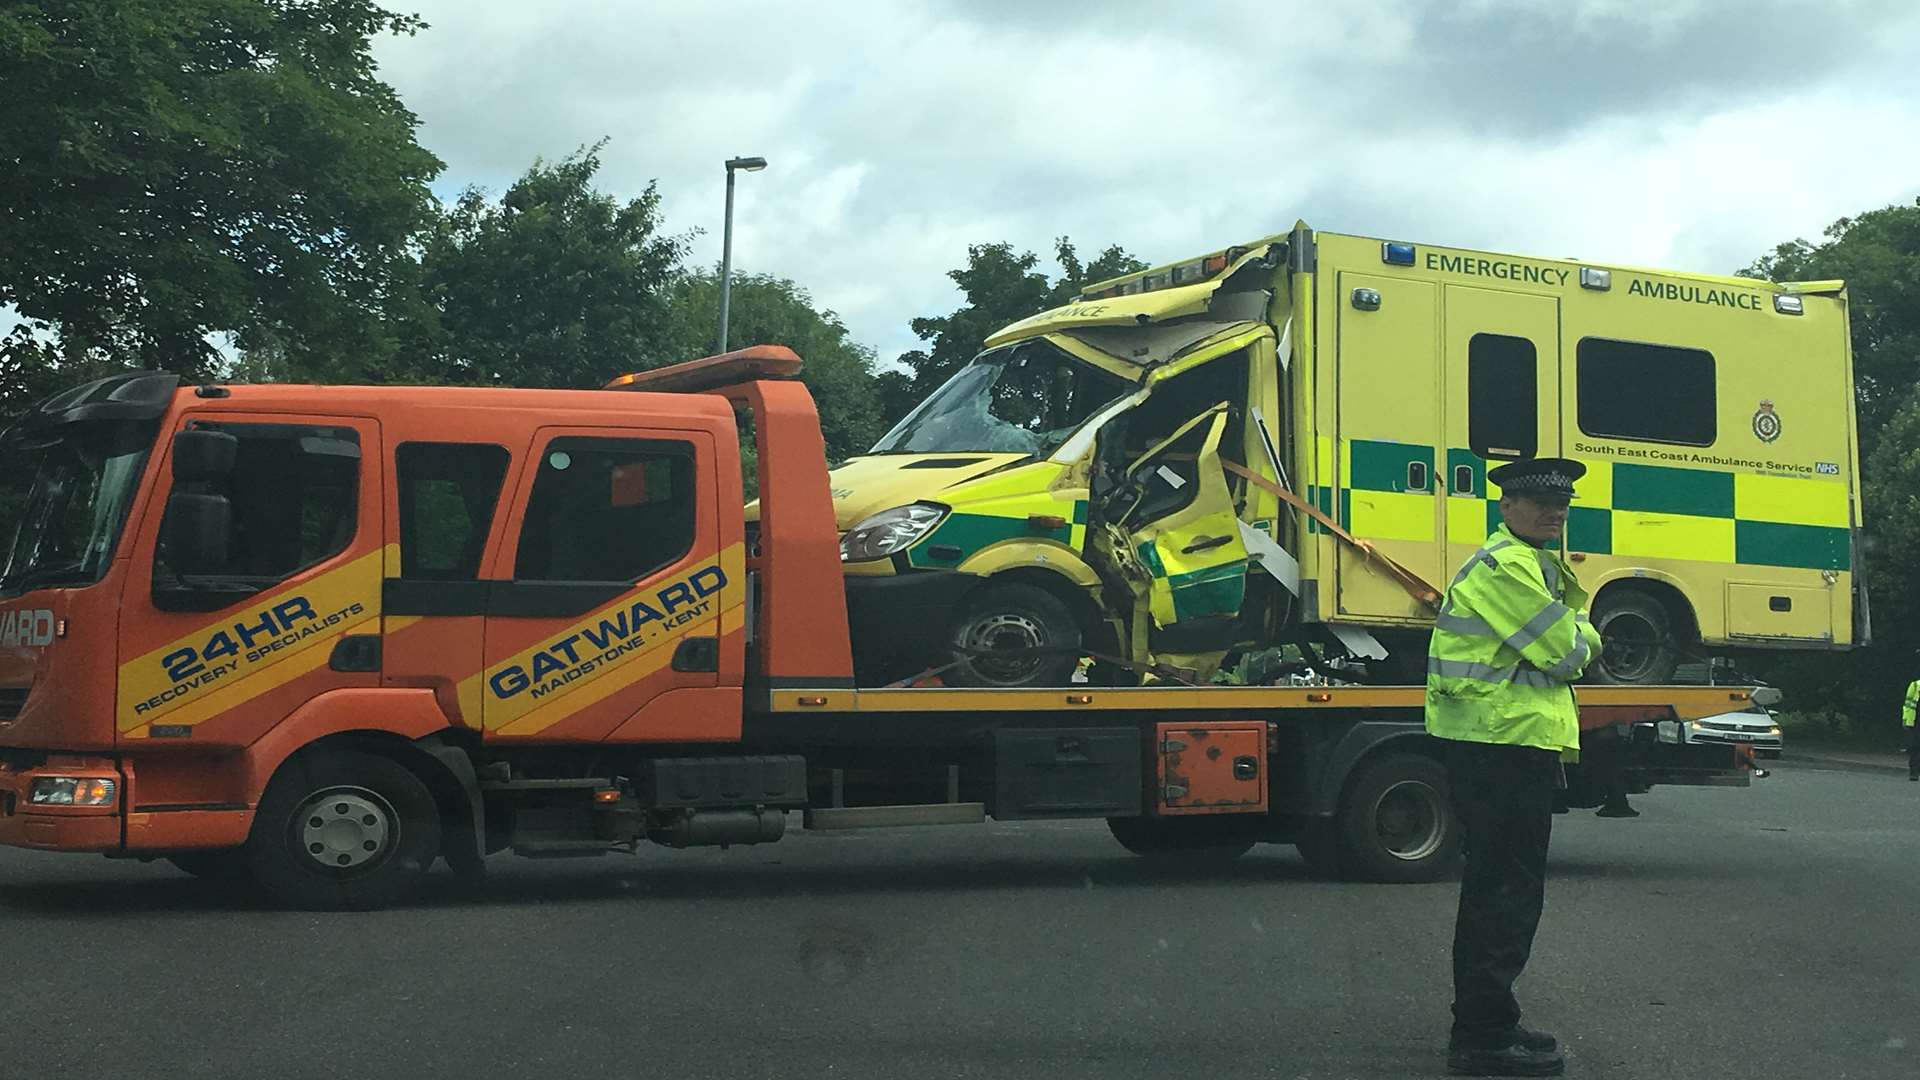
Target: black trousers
[1503,796]
[1913,750]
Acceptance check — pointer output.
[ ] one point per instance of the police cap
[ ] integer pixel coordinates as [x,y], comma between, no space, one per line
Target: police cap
[1549,476]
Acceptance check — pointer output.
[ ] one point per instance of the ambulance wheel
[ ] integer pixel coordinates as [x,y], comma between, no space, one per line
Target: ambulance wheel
[343,830]
[223,866]
[1185,840]
[1636,634]
[1016,618]
[1396,822]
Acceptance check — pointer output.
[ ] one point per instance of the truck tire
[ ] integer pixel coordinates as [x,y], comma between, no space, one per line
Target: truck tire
[1015,616]
[1636,634]
[343,830]
[1179,840]
[222,866]
[1396,822]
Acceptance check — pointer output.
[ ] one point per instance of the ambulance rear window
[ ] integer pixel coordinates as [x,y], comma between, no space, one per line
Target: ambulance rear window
[1648,393]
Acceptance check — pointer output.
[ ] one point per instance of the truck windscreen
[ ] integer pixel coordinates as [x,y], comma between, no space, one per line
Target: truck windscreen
[1025,398]
[76,494]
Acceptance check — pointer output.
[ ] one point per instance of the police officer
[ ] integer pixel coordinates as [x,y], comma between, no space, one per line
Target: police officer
[1510,638]
[1913,733]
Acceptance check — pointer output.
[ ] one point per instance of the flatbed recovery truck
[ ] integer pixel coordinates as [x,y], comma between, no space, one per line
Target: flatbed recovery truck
[320,637]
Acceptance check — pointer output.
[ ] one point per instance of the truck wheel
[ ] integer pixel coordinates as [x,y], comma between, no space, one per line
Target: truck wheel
[224,866]
[343,830]
[1636,634]
[1183,840]
[1013,616]
[1396,823]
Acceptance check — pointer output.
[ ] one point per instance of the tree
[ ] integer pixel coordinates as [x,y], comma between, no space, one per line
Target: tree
[774,311]
[1878,254]
[555,285]
[1000,287]
[177,168]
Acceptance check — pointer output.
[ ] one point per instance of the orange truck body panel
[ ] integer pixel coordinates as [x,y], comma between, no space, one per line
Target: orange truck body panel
[1211,767]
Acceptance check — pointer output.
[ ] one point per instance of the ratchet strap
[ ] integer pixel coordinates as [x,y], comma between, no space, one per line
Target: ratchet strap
[1413,583]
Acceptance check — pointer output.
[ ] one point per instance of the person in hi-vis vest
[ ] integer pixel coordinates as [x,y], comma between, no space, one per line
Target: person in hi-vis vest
[1509,640]
[1913,733]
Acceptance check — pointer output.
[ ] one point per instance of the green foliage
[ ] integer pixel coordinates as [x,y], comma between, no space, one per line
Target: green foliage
[766,310]
[555,285]
[1878,254]
[176,168]
[1000,287]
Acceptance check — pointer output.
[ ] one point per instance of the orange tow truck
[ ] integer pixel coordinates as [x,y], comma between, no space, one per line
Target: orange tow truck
[321,637]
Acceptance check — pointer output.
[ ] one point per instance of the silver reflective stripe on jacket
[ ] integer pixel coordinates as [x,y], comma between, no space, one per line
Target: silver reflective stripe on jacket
[1467,669]
[1528,675]
[1566,669]
[1464,625]
[1539,624]
[1484,555]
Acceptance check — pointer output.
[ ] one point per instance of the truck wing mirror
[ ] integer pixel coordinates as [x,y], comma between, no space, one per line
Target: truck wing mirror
[201,454]
[197,532]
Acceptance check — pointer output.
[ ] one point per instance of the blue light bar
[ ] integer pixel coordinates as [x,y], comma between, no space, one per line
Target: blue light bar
[1396,254]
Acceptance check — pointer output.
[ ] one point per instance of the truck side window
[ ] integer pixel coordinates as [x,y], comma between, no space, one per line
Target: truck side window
[607,510]
[1650,393]
[294,493]
[448,492]
[1503,402]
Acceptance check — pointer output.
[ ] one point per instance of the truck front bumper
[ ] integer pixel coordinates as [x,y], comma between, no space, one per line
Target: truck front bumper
[59,828]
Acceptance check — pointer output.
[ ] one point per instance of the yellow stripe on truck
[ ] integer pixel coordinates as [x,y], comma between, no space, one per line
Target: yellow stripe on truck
[1672,536]
[232,659]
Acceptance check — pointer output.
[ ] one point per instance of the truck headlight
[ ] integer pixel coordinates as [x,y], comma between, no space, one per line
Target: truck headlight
[1669,732]
[73,791]
[890,531]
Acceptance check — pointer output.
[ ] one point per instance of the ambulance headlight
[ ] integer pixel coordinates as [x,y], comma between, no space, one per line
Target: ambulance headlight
[73,791]
[890,531]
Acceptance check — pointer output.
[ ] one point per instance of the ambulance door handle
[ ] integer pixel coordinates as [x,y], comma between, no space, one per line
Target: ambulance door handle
[1463,479]
[1205,543]
[1416,476]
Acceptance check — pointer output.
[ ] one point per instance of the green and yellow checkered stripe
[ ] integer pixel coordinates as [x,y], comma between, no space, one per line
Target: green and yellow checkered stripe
[962,534]
[1623,509]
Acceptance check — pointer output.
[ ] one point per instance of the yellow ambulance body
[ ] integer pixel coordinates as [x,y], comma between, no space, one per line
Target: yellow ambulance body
[1067,474]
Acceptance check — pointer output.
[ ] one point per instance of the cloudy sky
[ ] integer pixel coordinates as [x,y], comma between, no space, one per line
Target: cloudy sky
[1689,134]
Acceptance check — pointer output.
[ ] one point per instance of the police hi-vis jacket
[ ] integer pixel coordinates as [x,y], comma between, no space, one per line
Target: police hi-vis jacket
[1508,642]
[1907,706]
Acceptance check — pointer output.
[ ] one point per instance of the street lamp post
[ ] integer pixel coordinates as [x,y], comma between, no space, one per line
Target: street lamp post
[740,164]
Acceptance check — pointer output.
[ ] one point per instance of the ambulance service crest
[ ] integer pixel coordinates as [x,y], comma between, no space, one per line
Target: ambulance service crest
[1766,423]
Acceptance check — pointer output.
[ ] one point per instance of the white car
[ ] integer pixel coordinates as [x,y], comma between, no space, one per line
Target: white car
[1754,726]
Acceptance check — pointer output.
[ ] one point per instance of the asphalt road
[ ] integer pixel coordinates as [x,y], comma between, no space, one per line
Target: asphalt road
[1759,933]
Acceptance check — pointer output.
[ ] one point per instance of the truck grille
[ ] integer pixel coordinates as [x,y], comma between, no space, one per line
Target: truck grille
[11,701]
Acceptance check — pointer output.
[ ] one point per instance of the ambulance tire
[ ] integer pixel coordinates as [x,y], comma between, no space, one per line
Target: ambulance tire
[1011,614]
[1396,822]
[227,866]
[343,830]
[1182,841]
[1636,634]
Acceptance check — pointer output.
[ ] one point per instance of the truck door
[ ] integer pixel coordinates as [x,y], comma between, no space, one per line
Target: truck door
[614,599]
[1186,535]
[1387,442]
[264,592]
[1502,402]
[444,514]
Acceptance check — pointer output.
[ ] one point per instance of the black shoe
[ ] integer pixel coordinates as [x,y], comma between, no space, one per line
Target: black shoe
[1515,1060]
[1538,1041]
[1623,810]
